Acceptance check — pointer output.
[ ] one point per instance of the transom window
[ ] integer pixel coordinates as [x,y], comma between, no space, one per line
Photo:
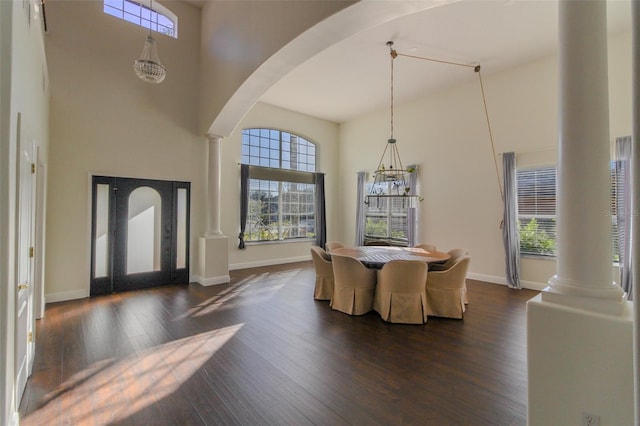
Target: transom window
[282,199]
[158,18]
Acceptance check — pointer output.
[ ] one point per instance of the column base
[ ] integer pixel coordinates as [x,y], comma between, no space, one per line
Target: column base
[608,300]
[578,361]
[213,260]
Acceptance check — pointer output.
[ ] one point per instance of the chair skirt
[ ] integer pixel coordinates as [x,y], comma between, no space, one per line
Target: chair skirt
[448,303]
[353,301]
[405,308]
[324,288]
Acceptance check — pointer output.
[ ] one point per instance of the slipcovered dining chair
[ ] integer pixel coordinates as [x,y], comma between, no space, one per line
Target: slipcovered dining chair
[354,287]
[446,290]
[324,274]
[426,247]
[454,254]
[400,293]
[332,245]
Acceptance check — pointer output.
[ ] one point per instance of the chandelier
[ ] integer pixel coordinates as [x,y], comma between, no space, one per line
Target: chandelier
[148,67]
[391,180]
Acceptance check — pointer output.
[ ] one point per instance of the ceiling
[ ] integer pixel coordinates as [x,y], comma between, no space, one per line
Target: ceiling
[352,77]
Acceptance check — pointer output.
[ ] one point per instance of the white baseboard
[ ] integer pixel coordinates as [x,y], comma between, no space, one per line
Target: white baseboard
[502,280]
[206,282]
[269,262]
[66,295]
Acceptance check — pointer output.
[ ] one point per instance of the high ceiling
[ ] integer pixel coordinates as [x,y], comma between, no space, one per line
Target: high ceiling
[352,77]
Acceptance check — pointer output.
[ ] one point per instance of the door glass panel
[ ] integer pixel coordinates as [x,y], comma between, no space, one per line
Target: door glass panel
[101,245]
[181,234]
[144,230]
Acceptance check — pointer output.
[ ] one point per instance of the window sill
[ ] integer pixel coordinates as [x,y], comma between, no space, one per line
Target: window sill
[287,241]
[538,257]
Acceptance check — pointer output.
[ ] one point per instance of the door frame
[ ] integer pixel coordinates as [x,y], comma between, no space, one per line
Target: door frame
[181,275]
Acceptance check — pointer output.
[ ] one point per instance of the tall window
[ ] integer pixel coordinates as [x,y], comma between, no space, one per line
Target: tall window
[158,18]
[386,219]
[537,210]
[281,186]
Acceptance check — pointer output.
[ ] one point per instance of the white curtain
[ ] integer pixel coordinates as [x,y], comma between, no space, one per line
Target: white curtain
[412,211]
[510,234]
[360,209]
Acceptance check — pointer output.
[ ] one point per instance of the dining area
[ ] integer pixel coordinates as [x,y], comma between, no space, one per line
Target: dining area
[404,285]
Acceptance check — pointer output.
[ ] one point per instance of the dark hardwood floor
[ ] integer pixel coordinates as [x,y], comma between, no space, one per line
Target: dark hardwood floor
[261,351]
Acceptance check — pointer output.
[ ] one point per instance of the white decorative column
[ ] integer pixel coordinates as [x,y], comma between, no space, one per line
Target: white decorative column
[580,328]
[213,187]
[214,247]
[584,250]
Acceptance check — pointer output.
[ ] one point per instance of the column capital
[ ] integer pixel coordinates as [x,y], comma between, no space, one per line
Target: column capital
[213,138]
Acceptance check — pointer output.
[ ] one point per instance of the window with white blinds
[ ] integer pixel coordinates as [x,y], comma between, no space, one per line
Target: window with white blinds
[537,210]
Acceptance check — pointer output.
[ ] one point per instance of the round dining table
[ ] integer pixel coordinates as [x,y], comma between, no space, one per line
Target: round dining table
[377,256]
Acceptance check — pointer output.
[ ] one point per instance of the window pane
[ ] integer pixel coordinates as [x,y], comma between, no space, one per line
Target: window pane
[181,234]
[144,230]
[113,12]
[101,244]
[132,8]
[116,4]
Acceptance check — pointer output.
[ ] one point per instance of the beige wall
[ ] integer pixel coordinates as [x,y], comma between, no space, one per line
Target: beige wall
[104,120]
[325,135]
[447,131]
[239,36]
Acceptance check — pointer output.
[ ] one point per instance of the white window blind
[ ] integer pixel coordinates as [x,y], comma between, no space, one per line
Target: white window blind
[537,210]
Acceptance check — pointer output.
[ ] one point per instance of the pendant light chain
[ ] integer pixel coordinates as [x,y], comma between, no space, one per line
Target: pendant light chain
[392,58]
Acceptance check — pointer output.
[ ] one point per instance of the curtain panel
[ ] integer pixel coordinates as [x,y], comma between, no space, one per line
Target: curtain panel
[510,235]
[321,221]
[244,202]
[623,211]
[360,207]
[412,212]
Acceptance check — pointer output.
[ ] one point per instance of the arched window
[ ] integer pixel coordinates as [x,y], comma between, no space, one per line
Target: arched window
[281,188]
[153,16]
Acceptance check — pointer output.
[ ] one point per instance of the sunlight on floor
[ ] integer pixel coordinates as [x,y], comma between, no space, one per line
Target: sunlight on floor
[112,390]
[229,297]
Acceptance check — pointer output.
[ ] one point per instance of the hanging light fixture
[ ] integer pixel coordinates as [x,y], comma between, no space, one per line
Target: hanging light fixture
[148,67]
[391,178]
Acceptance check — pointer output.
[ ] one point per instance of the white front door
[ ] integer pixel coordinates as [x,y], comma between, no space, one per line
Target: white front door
[24,261]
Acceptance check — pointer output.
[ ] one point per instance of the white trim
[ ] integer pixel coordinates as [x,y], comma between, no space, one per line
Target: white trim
[66,295]
[206,282]
[15,419]
[531,285]
[268,262]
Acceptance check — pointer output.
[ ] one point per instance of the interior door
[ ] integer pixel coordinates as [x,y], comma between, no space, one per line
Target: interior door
[25,261]
[140,234]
